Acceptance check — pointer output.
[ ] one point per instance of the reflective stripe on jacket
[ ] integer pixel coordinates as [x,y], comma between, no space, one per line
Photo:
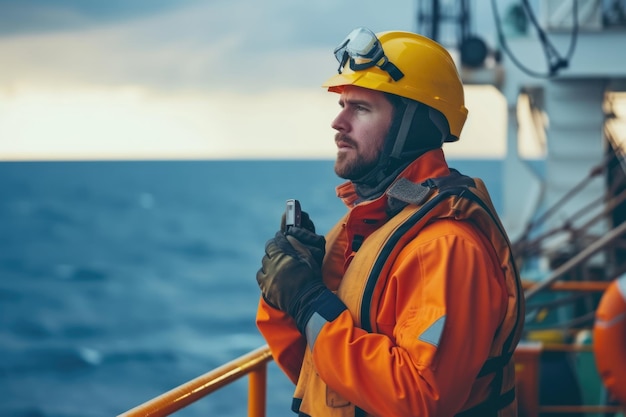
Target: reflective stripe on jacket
[433,308]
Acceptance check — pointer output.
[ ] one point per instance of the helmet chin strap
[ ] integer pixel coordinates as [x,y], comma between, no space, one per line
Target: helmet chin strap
[440,122]
[405,125]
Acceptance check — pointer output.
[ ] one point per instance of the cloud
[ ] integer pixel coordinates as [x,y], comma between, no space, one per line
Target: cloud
[132,123]
[43,16]
[237,45]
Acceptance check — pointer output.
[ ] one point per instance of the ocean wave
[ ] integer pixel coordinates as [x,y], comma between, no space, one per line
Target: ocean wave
[198,250]
[80,273]
[69,359]
[58,359]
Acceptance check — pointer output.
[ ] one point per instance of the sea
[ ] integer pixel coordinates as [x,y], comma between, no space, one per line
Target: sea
[121,280]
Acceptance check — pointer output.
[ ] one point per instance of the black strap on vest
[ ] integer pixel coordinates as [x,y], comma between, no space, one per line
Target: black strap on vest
[495,364]
[489,408]
[404,192]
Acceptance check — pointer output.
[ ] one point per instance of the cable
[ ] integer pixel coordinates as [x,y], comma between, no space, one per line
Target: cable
[550,50]
[555,61]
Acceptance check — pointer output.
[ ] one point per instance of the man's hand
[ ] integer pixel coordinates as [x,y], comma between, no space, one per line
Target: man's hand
[291,274]
[305,234]
[289,269]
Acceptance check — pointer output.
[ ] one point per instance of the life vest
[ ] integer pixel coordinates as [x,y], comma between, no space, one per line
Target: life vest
[455,196]
[609,339]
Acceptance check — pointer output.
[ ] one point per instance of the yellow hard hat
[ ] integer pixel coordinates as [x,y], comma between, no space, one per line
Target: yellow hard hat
[405,64]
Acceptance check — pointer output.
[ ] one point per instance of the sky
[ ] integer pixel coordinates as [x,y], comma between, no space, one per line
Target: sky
[192,79]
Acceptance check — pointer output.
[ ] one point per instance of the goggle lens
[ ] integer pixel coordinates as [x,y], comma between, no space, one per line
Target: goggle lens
[364,50]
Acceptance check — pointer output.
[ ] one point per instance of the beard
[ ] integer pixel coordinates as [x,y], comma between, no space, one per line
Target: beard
[353,165]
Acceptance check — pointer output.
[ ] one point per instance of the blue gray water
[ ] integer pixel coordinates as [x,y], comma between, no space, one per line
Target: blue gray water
[122,280]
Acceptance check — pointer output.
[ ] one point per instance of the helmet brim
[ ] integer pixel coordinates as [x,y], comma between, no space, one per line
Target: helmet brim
[372,80]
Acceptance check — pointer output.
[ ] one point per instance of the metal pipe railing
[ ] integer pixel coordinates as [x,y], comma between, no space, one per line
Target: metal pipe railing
[581,257]
[573,286]
[253,364]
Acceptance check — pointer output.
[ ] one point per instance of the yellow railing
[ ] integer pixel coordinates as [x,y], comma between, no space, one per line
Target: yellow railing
[253,364]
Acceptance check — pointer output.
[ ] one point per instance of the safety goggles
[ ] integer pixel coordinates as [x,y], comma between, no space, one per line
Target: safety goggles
[364,50]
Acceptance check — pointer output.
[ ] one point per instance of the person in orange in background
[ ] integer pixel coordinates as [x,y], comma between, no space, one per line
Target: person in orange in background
[411,305]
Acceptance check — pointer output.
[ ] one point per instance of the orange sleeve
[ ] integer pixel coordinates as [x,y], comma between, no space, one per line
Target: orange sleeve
[445,299]
[283,338]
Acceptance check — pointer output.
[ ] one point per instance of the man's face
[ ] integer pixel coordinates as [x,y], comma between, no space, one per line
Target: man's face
[362,126]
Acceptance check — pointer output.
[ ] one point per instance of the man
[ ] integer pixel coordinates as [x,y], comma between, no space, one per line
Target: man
[411,305]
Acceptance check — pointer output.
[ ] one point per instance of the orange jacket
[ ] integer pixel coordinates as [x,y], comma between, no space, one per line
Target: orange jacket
[433,324]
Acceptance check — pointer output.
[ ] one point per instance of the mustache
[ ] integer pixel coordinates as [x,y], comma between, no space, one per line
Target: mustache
[340,137]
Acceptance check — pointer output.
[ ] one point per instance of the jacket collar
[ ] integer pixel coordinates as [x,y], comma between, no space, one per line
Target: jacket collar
[431,164]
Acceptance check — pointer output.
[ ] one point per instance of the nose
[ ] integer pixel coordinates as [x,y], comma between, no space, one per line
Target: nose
[340,123]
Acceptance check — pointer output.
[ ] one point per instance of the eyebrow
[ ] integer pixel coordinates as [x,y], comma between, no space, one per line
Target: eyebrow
[354,102]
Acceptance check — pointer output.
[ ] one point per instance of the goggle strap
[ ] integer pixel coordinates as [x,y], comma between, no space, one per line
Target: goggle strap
[392,70]
[359,67]
[344,58]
